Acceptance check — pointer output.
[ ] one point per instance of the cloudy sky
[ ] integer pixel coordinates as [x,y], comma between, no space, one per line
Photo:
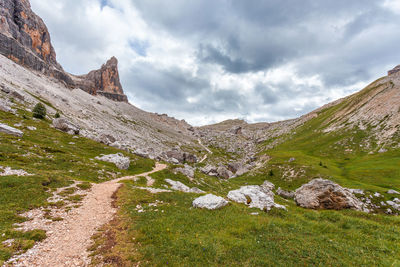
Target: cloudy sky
[210,60]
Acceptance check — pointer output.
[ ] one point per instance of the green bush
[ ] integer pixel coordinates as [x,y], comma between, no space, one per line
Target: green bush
[39,111]
[57,115]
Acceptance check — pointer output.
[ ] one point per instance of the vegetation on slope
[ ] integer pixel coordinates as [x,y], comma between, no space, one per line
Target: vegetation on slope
[55,159]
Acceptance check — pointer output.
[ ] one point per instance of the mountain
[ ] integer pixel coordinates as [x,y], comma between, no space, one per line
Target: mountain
[26,40]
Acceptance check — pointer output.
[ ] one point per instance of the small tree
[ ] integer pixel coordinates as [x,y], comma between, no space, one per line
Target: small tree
[39,111]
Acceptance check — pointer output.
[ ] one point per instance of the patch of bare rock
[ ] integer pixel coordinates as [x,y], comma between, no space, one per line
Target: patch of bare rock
[118,159]
[65,125]
[178,186]
[7,171]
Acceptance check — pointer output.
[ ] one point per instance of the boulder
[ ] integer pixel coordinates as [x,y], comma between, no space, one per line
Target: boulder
[325,194]
[255,197]
[187,171]
[190,158]
[10,130]
[393,192]
[178,186]
[118,159]
[106,139]
[223,172]
[285,194]
[176,154]
[209,170]
[210,202]
[65,126]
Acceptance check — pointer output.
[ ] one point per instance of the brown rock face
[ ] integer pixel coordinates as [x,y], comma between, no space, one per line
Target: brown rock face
[24,38]
[104,81]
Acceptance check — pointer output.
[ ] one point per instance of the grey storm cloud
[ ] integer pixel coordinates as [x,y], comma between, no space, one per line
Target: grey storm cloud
[207,60]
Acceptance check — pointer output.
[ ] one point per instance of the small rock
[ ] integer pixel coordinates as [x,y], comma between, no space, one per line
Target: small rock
[210,202]
[393,192]
[31,128]
[224,172]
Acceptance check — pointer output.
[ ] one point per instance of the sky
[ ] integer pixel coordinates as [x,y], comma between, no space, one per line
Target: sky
[206,61]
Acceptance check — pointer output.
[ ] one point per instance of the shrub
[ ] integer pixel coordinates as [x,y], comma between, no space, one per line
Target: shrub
[39,111]
[57,115]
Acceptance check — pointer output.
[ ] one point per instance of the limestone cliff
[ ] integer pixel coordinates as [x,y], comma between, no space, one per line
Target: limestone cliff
[104,81]
[24,38]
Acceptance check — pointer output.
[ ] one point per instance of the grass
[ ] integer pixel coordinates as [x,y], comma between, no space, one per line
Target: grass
[175,234]
[55,159]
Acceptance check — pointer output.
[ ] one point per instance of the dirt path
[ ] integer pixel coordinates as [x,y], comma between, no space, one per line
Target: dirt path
[67,241]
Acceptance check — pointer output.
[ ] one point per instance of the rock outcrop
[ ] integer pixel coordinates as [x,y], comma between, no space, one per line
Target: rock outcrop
[104,81]
[178,186]
[325,194]
[25,39]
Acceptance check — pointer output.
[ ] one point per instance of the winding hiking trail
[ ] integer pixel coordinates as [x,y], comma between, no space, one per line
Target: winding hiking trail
[68,240]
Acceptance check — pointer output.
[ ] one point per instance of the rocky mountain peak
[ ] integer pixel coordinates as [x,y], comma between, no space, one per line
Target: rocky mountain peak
[25,39]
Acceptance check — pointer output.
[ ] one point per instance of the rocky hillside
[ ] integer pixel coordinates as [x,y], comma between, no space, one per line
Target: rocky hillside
[25,40]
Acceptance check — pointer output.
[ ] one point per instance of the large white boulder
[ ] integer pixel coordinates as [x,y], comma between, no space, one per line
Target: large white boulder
[118,159]
[210,201]
[10,130]
[325,194]
[256,196]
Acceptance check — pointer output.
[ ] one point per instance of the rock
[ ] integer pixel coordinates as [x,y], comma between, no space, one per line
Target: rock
[291,160]
[325,194]
[394,205]
[187,171]
[118,159]
[285,194]
[17,95]
[25,39]
[376,194]
[104,81]
[65,126]
[190,158]
[382,150]
[7,171]
[31,128]
[255,197]
[236,130]
[176,154]
[4,89]
[5,107]
[106,139]
[210,202]
[224,172]
[208,169]
[267,186]
[10,130]
[394,70]
[393,192]
[357,191]
[178,186]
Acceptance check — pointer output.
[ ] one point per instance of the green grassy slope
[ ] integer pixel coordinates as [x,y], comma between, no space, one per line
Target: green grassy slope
[56,159]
